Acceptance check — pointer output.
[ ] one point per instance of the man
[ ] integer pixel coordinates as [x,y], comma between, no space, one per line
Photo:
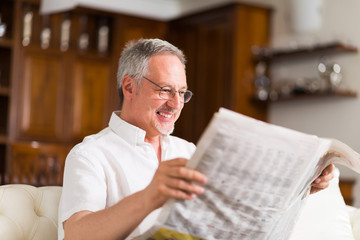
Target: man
[116,181]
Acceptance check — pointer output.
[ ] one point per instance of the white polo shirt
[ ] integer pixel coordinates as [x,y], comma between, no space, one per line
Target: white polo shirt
[112,164]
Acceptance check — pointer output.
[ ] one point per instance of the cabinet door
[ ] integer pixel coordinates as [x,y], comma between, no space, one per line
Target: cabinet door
[218,44]
[90,96]
[184,38]
[41,97]
[206,40]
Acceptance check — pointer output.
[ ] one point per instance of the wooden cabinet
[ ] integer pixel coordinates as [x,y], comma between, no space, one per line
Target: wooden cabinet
[62,80]
[65,79]
[62,83]
[62,98]
[218,44]
[41,98]
[90,88]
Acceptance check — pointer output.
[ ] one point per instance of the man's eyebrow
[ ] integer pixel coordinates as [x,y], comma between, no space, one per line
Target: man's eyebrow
[172,87]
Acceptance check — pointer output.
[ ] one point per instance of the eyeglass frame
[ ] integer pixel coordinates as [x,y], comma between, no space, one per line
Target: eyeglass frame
[173,92]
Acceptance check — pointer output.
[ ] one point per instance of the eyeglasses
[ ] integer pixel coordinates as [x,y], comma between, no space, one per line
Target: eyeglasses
[168,92]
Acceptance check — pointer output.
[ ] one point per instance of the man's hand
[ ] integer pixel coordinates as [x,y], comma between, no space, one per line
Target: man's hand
[171,180]
[174,180]
[323,180]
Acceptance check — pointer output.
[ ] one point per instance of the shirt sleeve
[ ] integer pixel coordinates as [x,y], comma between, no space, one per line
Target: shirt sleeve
[84,186]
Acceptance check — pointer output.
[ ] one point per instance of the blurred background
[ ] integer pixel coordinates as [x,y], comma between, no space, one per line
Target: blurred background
[294,63]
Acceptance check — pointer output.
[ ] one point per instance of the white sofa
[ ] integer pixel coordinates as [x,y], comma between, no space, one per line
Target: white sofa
[28,212]
[325,216]
[354,214]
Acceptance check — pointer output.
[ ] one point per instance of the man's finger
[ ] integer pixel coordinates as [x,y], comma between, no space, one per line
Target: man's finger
[187,173]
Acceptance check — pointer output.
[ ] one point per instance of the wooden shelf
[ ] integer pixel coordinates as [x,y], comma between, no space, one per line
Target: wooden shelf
[345,93]
[324,49]
[267,56]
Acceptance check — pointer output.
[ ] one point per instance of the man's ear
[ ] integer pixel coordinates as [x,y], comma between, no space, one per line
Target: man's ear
[128,86]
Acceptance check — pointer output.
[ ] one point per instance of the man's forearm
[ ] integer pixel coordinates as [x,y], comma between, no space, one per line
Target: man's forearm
[115,222]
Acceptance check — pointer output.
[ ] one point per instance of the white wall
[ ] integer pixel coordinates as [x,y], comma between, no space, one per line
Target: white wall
[326,117]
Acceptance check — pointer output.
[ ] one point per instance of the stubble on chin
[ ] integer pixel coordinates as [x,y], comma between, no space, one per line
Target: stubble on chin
[164,131]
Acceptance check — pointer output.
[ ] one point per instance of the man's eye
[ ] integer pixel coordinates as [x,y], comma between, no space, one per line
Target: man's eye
[182,93]
[166,91]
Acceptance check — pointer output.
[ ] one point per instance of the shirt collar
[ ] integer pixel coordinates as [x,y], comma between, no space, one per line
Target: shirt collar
[130,133]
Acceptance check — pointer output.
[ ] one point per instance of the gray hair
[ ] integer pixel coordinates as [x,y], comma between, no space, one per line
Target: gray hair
[135,57]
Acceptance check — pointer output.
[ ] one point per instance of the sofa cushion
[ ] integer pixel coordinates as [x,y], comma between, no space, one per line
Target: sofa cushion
[28,212]
[355,221]
[324,216]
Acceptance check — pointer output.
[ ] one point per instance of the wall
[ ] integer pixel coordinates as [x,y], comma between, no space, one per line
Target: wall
[326,117]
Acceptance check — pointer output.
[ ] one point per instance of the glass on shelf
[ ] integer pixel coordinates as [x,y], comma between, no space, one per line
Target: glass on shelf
[103,34]
[335,76]
[103,38]
[45,33]
[84,38]
[289,88]
[27,28]
[331,73]
[65,35]
[84,41]
[261,82]
[45,38]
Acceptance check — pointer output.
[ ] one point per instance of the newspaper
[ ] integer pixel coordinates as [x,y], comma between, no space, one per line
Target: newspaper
[259,176]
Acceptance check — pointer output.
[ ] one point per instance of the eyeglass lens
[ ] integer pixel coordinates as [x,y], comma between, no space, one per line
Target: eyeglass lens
[167,93]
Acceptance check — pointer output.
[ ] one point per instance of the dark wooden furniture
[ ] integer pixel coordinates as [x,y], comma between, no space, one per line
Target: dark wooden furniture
[57,85]
[55,94]
[220,68]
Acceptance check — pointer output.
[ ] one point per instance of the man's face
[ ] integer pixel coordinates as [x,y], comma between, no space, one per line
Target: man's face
[155,115]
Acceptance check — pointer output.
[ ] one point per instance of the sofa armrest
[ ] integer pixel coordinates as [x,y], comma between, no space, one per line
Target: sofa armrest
[28,212]
[354,214]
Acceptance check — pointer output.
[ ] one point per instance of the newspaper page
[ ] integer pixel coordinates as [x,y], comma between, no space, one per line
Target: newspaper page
[258,177]
[340,153]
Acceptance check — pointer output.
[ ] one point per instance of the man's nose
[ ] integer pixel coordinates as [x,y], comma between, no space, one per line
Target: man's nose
[175,101]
